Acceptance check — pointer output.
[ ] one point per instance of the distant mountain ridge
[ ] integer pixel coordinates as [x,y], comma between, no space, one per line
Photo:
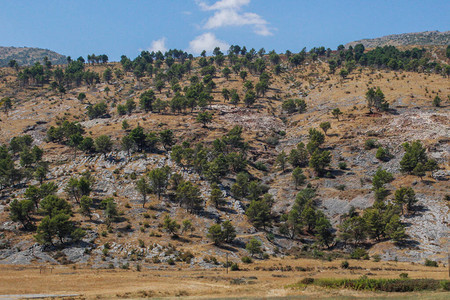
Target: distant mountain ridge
[26,56]
[426,38]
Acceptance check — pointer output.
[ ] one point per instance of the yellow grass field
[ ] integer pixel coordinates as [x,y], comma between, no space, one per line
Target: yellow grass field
[260,280]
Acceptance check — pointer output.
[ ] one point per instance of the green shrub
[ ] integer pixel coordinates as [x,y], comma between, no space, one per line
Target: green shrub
[376,257]
[261,166]
[403,275]
[234,267]
[345,264]
[273,140]
[371,144]
[246,260]
[340,187]
[359,253]
[431,263]
[342,165]
[186,256]
[437,101]
[170,261]
[384,285]
[383,154]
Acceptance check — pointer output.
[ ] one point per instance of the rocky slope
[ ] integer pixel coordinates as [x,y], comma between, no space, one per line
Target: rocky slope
[27,56]
[426,38]
[412,117]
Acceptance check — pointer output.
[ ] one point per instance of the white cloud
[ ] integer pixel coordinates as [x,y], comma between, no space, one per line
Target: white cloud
[228,13]
[158,45]
[223,4]
[208,42]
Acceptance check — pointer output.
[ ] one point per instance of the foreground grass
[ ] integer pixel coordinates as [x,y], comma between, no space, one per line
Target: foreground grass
[382,285]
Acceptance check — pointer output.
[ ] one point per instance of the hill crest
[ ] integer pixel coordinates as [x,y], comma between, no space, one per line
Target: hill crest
[26,56]
[426,38]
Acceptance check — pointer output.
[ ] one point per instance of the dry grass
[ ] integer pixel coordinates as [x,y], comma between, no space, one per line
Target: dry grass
[251,282]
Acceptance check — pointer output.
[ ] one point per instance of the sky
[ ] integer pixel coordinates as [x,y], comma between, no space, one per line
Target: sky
[126,27]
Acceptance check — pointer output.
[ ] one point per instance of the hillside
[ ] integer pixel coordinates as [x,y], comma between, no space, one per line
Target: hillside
[162,156]
[426,38]
[27,56]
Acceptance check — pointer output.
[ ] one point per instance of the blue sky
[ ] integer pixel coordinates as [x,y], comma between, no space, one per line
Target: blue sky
[113,27]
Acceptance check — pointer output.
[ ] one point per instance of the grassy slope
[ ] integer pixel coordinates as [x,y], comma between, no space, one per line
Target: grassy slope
[405,91]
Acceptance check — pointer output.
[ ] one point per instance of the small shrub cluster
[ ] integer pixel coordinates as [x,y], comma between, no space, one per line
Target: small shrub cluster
[359,253]
[431,263]
[385,285]
[234,267]
[371,144]
[246,260]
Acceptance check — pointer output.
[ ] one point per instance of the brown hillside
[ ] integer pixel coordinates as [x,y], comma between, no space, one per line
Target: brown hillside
[138,236]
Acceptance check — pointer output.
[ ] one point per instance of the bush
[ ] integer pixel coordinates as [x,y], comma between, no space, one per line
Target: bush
[273,140]
[96,111]
[403,275]
[171,262]
[234,267]
[383,154]
[371,144]
[246,260]
[261,166]
[431,263]
[359,253]
[445,284]
[289,106]
[376,257]
[384,285]
[340,187]
[186,256]
[436,101]
[342,165]
[345,264]
[253,247]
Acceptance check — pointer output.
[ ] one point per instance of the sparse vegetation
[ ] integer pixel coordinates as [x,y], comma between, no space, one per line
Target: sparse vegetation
[112,156]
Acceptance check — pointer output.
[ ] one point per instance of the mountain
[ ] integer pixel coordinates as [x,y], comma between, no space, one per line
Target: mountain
[426,38]
[286,149]
[26,56]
